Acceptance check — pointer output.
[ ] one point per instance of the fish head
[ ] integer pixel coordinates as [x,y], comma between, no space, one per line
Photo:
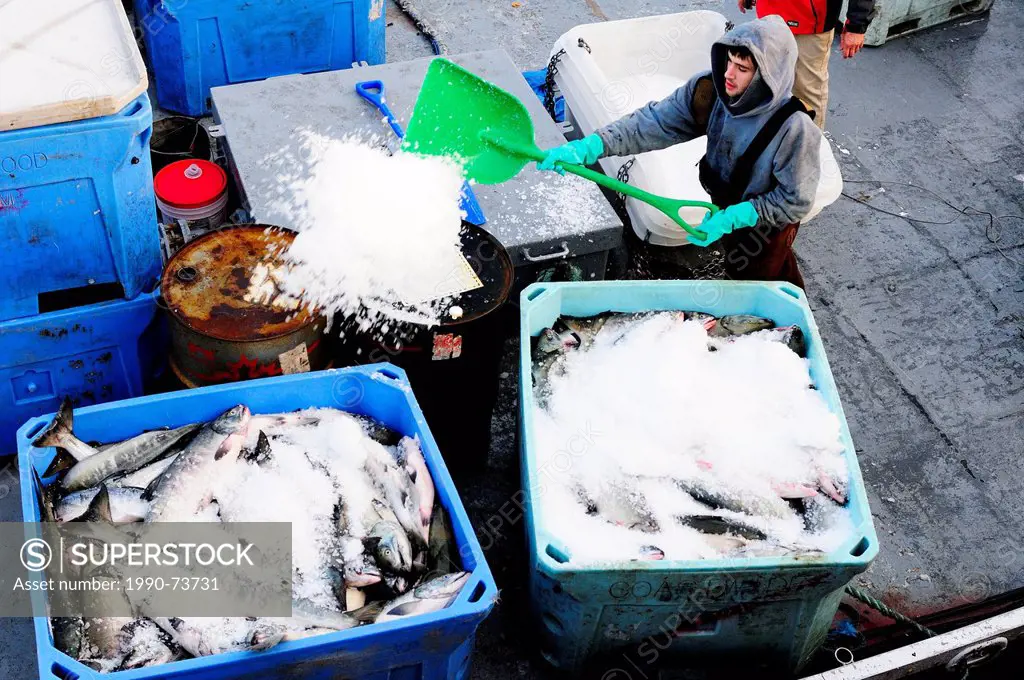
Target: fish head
[441,587]
[232,421]
[743,324]
[359,577]
[393,551]
[549,341]
[651,552]
[265,634]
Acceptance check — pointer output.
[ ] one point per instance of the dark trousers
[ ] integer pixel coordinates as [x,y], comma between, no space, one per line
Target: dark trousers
[763,254]
[755,254]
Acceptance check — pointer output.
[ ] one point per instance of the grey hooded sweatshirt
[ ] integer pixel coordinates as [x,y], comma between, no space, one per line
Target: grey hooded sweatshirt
[784,179]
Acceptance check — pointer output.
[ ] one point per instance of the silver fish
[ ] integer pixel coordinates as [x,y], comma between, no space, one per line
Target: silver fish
[716,524]
[717,496]
[618,325]
[548,356]
[185,486]
[312,616]
[97,523]
[390,547]
[126,504]
[650,553]
[724,543]
[619,504]
[740,324]
[206,636]
[377,431]
[144,476]
[47,497]
[398,491]
[550,341]
[586,328]
[790,336]
[793,490]
[126,456]
[431,596]
[267,421]
[68,632]
[832,488]
[709,321]
[442,558]
[417,464]
[144,644]
[60,434]
[98,508]
[360,572]
[302,633]
[101,647]
[100,635]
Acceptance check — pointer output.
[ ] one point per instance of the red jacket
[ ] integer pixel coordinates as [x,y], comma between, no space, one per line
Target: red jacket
[819,16]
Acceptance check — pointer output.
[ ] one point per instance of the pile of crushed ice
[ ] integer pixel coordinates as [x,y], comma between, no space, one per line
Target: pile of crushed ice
[377,231]
[649,433]
[311,468]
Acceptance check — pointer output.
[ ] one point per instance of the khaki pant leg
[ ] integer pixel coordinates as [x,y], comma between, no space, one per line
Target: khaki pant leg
[811,83]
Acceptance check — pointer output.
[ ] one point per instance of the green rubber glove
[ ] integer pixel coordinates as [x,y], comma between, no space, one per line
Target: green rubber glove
[739,216]
[584,151]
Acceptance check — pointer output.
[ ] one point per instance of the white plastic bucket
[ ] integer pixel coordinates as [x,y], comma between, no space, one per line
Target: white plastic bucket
[193,195]
[198,220]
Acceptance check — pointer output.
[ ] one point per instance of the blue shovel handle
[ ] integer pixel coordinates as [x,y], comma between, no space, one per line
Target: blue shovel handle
[373,92]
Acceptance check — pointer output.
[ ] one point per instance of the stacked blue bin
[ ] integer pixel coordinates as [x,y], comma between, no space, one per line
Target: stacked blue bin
[79,263]
[194,45]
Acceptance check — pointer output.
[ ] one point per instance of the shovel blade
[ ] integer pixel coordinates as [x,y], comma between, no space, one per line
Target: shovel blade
[454,106]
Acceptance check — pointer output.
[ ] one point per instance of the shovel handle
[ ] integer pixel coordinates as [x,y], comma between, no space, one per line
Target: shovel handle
[373,92]
[669,206]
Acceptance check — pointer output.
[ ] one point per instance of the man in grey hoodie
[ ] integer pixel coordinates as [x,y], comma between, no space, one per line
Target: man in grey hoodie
[762,164]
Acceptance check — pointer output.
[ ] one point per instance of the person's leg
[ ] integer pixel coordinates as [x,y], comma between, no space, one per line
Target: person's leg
[763,254]
[811,84]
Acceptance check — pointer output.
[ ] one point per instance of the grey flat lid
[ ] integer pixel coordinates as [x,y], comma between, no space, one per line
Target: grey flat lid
[542,213]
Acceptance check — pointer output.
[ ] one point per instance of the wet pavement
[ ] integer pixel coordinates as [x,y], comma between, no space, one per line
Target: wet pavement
[923,321]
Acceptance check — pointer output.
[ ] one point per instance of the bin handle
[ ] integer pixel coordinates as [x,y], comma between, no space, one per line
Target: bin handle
[558,254]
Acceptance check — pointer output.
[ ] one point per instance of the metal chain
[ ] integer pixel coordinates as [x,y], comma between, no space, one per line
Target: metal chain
[705,263]
[549,83]
[549,77]
[623,176]
[713,266]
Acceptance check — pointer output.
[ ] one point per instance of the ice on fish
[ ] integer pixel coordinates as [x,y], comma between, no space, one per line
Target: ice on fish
[358,495]
[700,436]
[126,504]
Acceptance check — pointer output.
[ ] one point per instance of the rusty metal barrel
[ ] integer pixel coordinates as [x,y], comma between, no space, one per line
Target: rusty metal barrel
[228,320]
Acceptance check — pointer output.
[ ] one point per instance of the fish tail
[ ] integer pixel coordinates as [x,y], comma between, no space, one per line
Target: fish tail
[58,430]
[62,461]
[368,613]
[47,497]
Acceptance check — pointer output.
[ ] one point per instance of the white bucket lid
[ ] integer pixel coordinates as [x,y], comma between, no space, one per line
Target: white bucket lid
[66,60]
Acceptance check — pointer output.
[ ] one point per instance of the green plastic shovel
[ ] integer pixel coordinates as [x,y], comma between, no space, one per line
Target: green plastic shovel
[461,115]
